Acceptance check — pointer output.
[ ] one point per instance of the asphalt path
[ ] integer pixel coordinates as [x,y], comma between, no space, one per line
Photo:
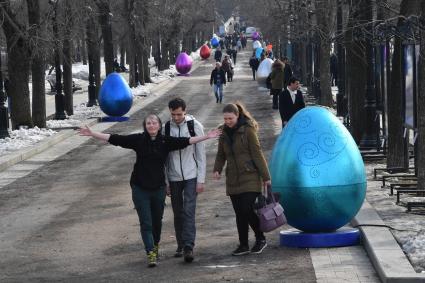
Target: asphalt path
[73,219]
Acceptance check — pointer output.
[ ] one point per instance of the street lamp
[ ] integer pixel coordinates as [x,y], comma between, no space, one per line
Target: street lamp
[4,119]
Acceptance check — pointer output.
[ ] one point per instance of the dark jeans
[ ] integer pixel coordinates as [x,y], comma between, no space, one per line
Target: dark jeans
[245,215]
[253,73]
[183,200]
[275,92]
[149,205]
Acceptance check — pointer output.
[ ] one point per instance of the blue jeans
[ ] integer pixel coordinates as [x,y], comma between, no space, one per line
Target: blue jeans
[218,91]
[149,205]
[183,200]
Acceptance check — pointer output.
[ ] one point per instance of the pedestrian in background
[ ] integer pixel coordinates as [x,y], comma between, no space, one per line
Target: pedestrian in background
[277,77]
[217,80]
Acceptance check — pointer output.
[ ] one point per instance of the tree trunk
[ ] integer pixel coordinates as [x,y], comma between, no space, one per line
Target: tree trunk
[84,50]
[324,23]
[326,98]
[146,67]
[355,70]
[420,141]
[67,60]
[106,25]
[37,69]
[397,150]
[165,50]
[18,64]
[122,53]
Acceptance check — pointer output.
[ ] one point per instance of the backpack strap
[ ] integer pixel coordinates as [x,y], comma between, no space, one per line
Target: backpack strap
[167,128]
[191,128]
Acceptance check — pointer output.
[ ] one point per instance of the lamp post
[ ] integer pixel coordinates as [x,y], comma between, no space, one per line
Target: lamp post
[4,119]
[59,97]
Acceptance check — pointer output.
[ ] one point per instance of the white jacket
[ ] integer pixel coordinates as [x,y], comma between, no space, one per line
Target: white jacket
[190,162]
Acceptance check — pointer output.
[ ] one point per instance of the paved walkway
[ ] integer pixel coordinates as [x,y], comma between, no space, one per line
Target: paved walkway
[66,214]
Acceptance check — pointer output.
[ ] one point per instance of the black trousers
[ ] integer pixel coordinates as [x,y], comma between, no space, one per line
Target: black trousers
[275,92]
[245,216]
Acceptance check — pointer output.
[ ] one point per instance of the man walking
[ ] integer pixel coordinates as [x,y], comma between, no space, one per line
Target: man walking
[185,170]
[291,100]
[218,79]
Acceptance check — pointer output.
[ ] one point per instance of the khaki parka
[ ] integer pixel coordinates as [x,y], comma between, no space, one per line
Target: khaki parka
[277,75]
[246,167]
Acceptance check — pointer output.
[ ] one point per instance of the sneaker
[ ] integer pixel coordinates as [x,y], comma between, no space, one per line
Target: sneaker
[259,247]
[152,259]
[188,255]
[241,250]
[179,252]
[156,250]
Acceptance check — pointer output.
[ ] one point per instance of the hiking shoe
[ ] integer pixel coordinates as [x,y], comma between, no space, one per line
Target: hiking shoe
[259,247]
[188,255]
[241,250]
[179,252]
[152,259]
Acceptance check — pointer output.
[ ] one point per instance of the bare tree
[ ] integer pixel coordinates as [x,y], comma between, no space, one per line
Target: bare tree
[420,142]
[19,58]
[38,64]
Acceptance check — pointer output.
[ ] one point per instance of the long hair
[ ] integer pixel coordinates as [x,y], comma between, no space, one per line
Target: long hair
[239,110]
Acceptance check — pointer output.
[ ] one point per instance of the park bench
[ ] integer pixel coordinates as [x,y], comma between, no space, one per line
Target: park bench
[402,186]
[415,191]
[392,170]
[403,177]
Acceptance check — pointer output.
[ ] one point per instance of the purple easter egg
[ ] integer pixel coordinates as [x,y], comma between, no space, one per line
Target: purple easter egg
[183,63]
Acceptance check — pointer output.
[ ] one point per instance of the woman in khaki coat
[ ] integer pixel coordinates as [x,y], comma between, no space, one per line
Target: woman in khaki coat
[277,77]
[246,172]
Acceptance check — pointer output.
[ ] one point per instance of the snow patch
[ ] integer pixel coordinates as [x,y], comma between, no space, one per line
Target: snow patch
[23,138]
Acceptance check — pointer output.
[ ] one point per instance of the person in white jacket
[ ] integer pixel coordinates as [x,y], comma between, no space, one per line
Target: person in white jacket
[185,171]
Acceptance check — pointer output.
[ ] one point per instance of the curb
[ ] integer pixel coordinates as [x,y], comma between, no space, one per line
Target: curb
[14,158]
[386,255]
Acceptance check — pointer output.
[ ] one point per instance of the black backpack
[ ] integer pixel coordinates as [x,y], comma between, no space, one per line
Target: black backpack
[190,126]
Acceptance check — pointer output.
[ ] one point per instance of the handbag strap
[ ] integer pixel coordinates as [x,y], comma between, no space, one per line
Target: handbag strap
[268,192]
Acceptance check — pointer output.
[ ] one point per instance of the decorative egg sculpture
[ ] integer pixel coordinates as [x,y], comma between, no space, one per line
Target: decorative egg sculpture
[205,52]
[256,44]
[115,97]
[258,52]
[183,63]
[255,35]
[264,69]
[214,42]
[318,169]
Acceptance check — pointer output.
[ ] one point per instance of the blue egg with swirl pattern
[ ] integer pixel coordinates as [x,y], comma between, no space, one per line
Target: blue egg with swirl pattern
[319,171]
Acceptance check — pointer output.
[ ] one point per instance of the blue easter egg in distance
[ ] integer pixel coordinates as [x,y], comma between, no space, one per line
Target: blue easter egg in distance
[115,97]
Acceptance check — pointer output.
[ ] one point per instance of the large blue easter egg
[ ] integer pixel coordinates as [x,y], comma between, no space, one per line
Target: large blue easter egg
[115,97]
[214,42]
[318,169]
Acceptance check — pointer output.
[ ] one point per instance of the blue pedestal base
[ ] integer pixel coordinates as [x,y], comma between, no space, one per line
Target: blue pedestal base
[113,119]
[340,238]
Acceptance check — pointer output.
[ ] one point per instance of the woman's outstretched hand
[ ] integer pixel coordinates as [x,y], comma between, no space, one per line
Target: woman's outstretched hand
[214,133]
[86,131]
